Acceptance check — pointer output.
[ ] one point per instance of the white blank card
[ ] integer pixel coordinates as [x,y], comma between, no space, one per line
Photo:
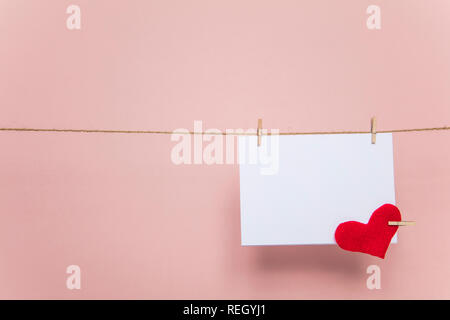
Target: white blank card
[295,190]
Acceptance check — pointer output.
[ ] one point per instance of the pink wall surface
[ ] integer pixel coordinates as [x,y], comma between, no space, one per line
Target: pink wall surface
[140,226]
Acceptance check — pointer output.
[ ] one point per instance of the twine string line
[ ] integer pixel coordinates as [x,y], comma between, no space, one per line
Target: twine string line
[217,133]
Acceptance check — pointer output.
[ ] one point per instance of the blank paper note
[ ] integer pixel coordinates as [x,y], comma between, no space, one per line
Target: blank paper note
[295,190]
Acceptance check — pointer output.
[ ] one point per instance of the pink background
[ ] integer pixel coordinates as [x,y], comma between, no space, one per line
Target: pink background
[141,227]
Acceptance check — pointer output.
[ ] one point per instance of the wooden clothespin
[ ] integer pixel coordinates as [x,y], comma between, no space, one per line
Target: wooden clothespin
[373,129]
[259,131]
[401,223]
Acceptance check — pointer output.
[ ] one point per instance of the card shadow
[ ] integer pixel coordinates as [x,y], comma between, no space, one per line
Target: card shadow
[326,258]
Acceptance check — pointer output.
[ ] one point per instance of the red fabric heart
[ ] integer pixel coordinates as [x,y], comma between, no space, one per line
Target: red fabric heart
[372,238]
